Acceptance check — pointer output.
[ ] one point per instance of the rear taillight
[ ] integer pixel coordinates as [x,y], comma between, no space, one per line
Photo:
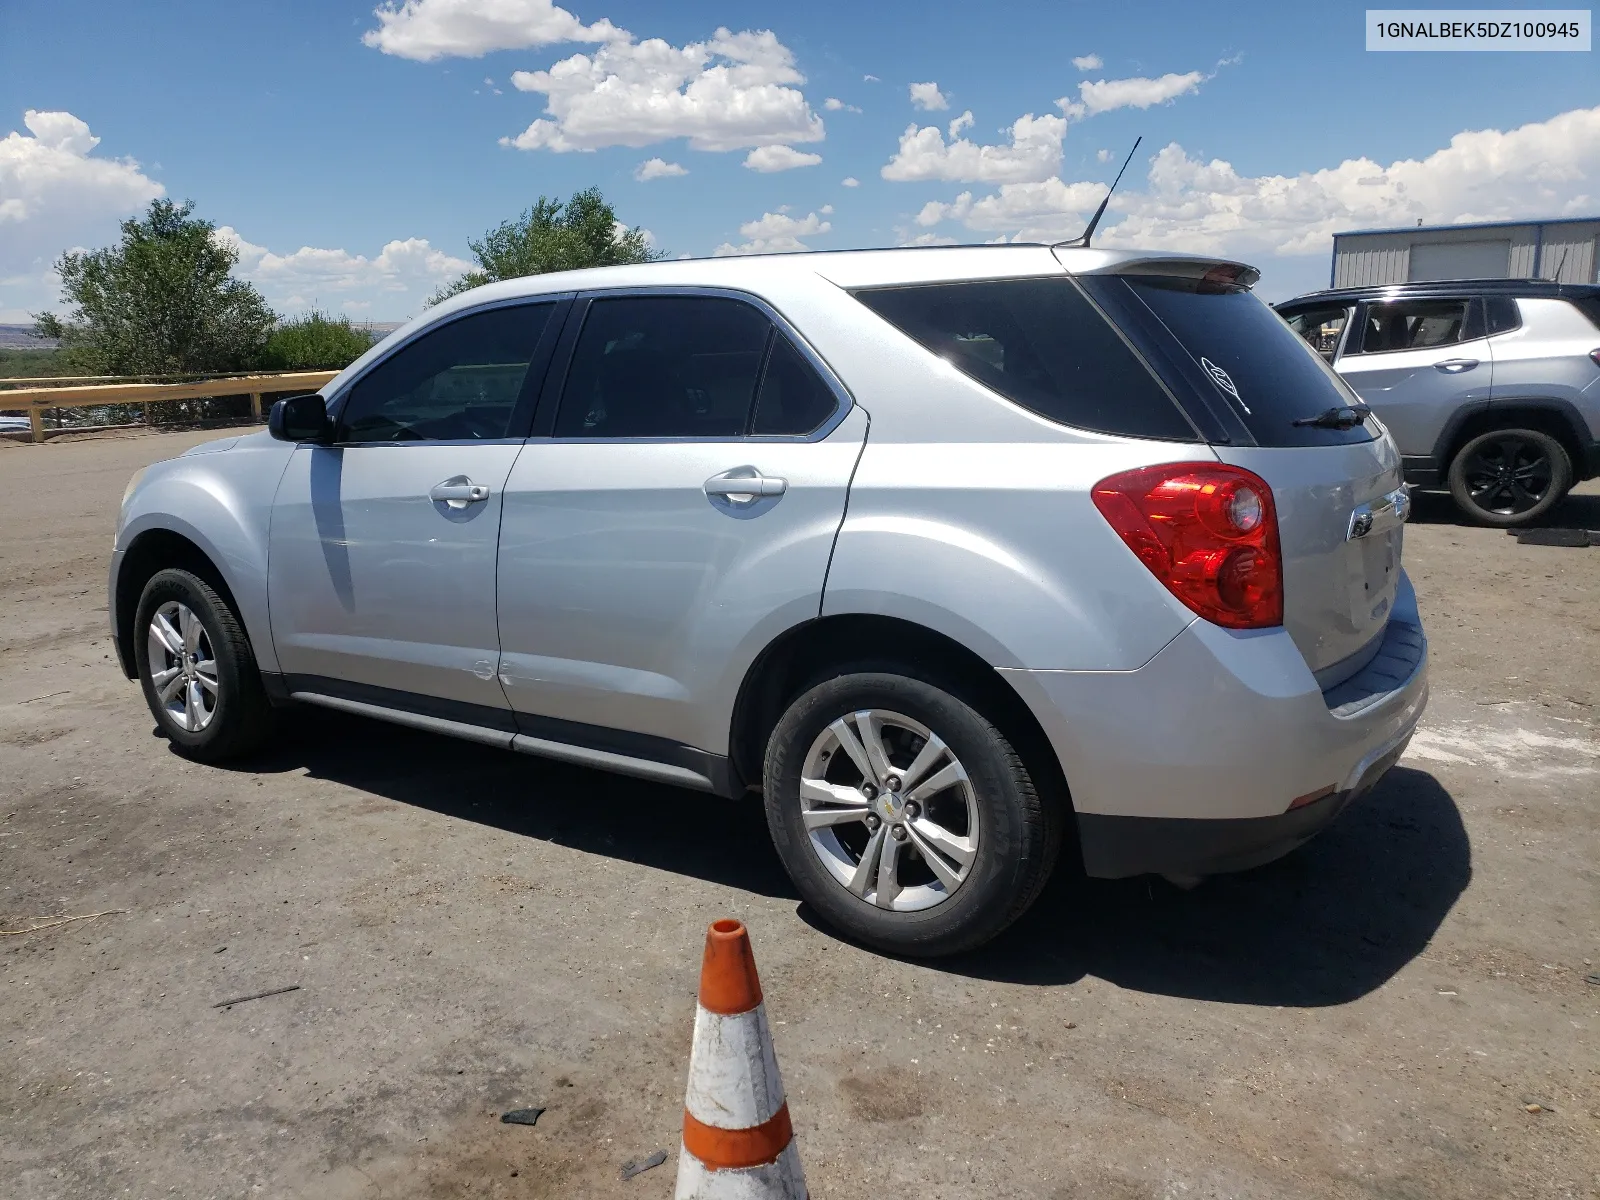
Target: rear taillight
[1595,354]
[1208,532]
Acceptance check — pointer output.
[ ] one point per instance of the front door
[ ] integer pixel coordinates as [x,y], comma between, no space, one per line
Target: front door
[679,514]
[1417,362]
[381,576]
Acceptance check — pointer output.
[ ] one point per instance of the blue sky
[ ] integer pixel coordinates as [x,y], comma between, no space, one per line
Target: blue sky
[352,173]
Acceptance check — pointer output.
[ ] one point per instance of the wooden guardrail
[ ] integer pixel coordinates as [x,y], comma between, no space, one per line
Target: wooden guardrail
[35,400]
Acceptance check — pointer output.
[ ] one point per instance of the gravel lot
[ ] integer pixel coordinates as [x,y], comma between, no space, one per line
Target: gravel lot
[471,930]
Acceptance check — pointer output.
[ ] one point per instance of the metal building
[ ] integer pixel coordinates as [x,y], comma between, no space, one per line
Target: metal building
[1563,249]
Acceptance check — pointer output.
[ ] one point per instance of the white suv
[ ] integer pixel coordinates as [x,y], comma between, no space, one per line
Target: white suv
[955,556]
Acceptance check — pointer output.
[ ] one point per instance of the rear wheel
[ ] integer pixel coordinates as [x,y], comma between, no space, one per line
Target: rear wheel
[198,670]
[903,816]
[1510,476]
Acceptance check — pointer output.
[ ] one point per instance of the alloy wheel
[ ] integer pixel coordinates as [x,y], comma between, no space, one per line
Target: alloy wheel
[1508,475]
[889,810]
[183,667]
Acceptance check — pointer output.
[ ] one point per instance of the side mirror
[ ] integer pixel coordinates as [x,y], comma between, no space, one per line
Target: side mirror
[299,419]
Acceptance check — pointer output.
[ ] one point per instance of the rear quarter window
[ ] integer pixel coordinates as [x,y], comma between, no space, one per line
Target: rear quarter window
[1041,344]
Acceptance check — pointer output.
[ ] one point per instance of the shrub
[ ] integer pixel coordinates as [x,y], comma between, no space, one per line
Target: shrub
[315,342]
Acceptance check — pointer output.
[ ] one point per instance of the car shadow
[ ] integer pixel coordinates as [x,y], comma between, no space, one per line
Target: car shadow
[633,820]
[1325,925]
[1574,512]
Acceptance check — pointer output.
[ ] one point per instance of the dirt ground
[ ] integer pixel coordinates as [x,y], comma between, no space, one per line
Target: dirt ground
[471,930]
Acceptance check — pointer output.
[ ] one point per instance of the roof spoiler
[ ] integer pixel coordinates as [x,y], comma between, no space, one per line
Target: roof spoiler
[1221,271]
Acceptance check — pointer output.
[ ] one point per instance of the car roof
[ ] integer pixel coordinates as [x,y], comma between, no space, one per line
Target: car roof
[845,268]
[1530,288]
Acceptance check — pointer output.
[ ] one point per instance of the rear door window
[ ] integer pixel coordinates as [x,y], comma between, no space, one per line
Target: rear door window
[1041,344]
[664,366]
[1502,314]
[1417,325]
[794,399]
[1234,354]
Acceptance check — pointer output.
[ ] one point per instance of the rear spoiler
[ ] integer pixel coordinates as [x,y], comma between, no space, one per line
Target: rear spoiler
[1214,270]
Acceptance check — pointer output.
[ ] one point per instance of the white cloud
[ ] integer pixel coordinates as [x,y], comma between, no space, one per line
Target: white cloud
[768,159]
[776,233]
[1106,95]
[928,97]
[1539,169]
[1032,152]
[305,276]
[658,168]
[1102,156]
[1545,168]
[55,194]
[870,79]
[834,104]
[964,121]
[426,30]
[1047,210]
[850,181]
[1088,62]
[826,210]
[729,93]
[928,239]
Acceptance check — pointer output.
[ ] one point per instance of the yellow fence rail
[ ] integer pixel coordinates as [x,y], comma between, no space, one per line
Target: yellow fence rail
[36,400]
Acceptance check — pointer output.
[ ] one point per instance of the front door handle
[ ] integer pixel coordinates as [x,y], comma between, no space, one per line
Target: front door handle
[458,491]
[1454,366]
[745,485]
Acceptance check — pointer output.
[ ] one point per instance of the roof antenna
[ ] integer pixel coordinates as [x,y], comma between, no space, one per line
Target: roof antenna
[1081,242]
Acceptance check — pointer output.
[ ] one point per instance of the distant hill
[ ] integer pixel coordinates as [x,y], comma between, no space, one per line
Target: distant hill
[20,337]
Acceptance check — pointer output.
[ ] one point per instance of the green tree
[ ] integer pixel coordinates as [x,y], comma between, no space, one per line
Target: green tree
[315,342]
[554,236]
[163,300]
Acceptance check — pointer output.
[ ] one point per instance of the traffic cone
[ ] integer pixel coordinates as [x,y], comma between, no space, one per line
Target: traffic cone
[737,1140]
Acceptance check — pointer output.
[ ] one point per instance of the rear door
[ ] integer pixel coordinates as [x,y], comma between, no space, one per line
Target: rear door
[674,512]
[1419,362]
[1257,386]
[382,546]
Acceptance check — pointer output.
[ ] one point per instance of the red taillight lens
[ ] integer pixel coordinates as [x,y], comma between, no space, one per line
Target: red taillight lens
[1595,354]
[1208,532]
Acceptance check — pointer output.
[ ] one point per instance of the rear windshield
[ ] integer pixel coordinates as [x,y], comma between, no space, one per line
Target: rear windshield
[1239,356]
[1041,344]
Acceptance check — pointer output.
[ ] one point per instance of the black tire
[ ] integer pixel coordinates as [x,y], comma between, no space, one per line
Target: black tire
[1020,832]
[241,718]
[1509,477]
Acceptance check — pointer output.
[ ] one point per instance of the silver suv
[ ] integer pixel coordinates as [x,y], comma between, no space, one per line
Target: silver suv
[954,556]
[1491,387]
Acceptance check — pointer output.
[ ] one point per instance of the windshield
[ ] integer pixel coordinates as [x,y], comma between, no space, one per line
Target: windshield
[1248,359]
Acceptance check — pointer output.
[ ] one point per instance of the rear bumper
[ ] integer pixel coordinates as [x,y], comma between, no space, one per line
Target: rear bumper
[1190,764]
[1115,847]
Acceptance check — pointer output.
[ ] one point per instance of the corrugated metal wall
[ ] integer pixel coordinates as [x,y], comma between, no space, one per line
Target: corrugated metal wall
[1371,258]
[1362,260]
[1570,249]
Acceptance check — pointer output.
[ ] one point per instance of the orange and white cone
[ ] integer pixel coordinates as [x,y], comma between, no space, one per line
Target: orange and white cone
[737,1140]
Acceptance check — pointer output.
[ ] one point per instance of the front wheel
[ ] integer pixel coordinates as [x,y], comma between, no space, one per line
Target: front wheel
[905,817]
[1509,477]
[198,670]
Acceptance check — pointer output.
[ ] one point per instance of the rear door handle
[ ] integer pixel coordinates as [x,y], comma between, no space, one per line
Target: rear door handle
[745,485]
[1454,366]
[458,492]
